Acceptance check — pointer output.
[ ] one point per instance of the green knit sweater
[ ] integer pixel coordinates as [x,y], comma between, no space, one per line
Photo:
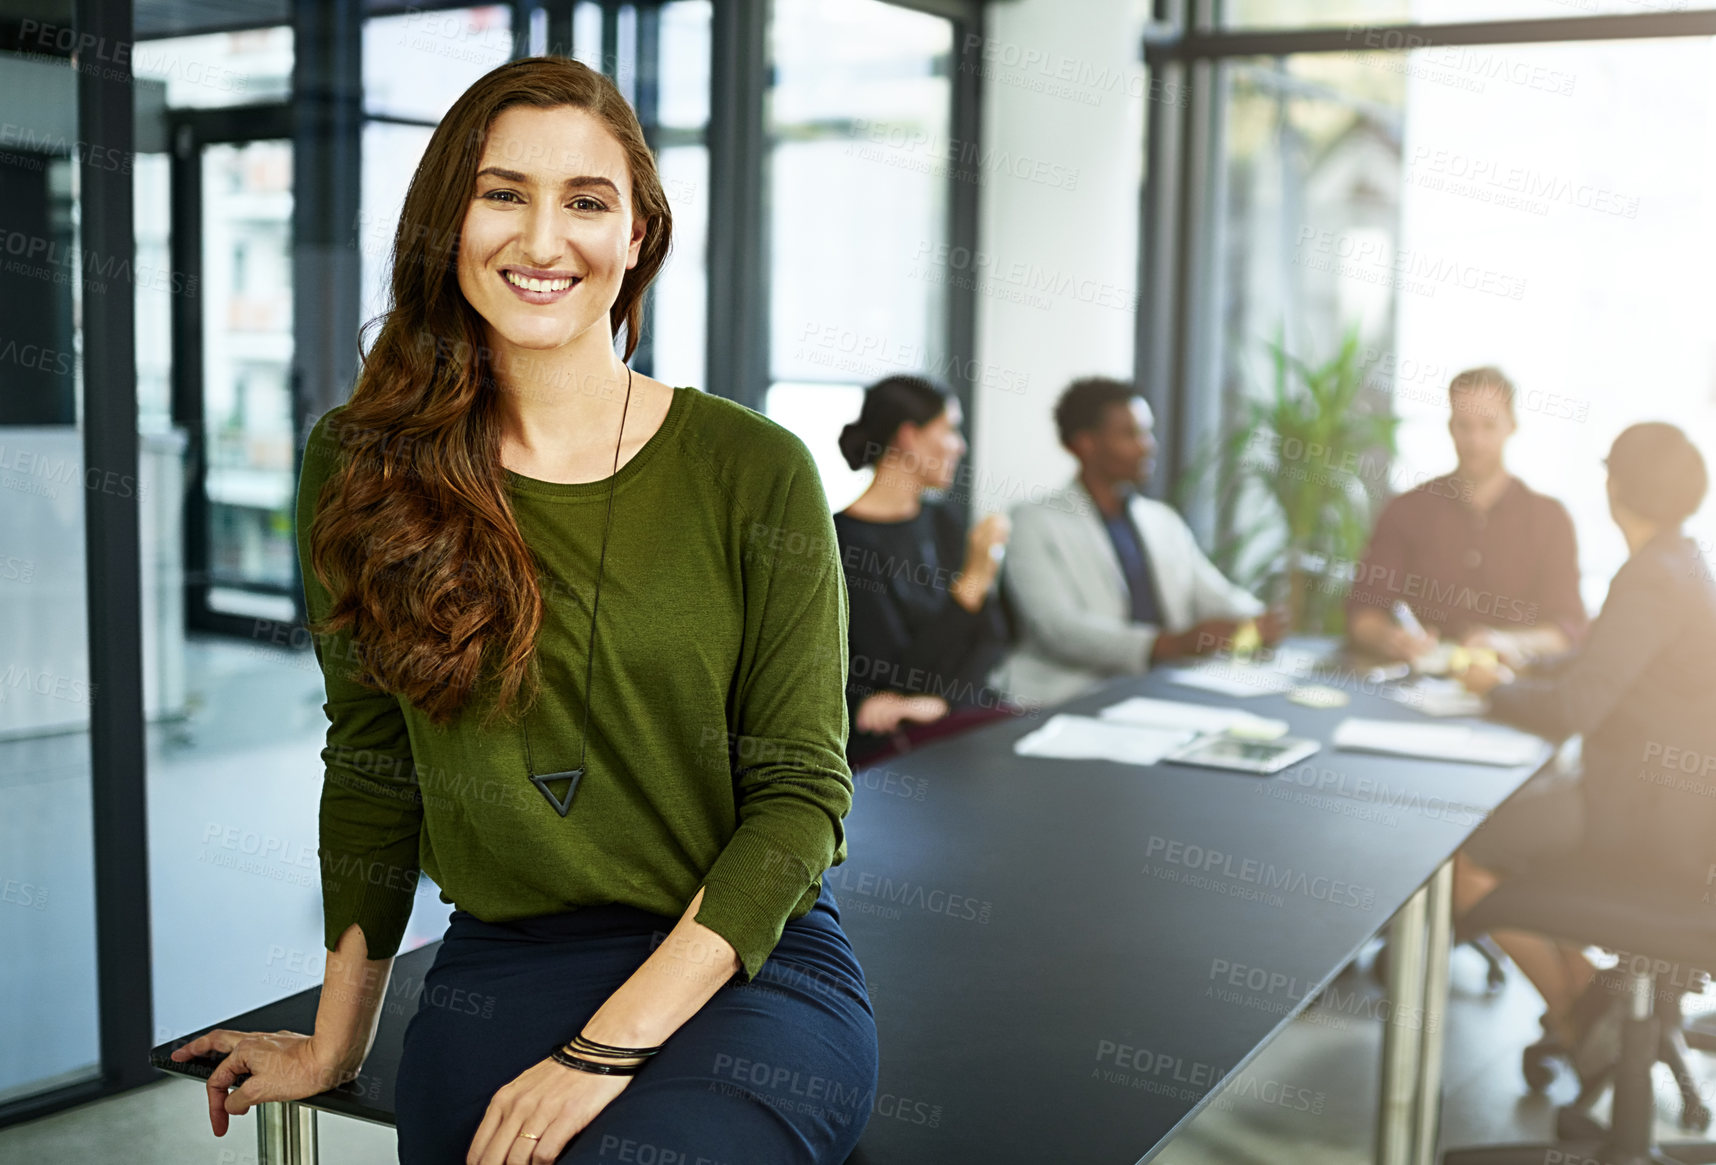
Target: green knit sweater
[718,726]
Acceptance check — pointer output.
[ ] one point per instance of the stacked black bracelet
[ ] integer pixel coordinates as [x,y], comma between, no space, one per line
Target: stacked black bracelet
[569,1055]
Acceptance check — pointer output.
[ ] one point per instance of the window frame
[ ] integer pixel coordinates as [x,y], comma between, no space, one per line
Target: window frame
[1177,343]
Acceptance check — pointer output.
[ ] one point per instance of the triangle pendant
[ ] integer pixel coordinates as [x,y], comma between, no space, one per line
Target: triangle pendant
[571,775]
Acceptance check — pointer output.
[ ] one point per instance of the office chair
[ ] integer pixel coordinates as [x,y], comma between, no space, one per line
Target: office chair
[1659,943]
[1674,1038]
[1700,1032]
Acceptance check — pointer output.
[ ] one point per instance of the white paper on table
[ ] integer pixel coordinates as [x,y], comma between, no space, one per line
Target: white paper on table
[1453,742]
[1088,738]
[1151,713]
[1438,697]
[1292,661]
[1232,679]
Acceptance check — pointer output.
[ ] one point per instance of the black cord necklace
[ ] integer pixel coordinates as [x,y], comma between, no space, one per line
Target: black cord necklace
[577,774]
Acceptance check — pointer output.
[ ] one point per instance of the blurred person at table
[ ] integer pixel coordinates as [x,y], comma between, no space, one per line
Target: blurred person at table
[1105,581]
[1474,555]
[926,626]
[1639,690]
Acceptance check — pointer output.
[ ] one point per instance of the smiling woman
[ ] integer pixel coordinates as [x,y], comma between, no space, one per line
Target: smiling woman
[499,471]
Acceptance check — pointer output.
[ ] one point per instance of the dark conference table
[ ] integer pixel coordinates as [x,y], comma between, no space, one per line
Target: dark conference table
[286,1132]
[1070,1015]
[1069,958]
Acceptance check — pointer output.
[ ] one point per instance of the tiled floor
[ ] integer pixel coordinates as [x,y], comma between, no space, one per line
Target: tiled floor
[237,922]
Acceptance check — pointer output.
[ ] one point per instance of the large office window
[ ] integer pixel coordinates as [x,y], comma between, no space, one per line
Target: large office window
[680,294]
[859,116]
[1519,200]
[391,152]
[47,901]
[415,65]
[1311,152]
[1550,223]
[1302,13]
[1313,145]
[1562,226]
[1311,13]
[219,69]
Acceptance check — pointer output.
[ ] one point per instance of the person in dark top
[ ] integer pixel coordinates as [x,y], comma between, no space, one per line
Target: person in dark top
[1642,691]
[1477,556]
[925,625]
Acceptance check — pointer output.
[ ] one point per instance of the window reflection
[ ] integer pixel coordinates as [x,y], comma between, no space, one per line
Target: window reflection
[683,81]
[390,156]
[247,355]
[219,68]
[860,114]
[417,64]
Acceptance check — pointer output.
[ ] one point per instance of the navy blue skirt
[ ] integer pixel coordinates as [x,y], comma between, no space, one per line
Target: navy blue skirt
[781,1070]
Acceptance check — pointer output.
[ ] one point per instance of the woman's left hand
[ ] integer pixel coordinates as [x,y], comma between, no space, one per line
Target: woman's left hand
[1504,645]
[548,1099]
[1482,677]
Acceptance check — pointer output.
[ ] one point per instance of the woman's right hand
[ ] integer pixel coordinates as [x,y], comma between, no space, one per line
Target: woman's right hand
[1408,646]
[983,548]
[983,544]
[281,1065]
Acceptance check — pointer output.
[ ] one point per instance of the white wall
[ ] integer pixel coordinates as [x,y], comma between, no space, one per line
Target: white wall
[1063,127]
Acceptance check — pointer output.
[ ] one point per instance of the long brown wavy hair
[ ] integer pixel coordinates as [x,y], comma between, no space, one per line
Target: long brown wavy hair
[414,534]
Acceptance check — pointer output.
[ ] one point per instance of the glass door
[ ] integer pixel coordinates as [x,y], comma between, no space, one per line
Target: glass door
[49,1020]
[235,393]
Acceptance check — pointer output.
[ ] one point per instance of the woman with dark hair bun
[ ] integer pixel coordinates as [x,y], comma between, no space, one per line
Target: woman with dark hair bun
[630,804]
[925,627]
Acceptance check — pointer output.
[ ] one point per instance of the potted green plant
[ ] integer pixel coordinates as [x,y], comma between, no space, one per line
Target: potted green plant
[1302,461]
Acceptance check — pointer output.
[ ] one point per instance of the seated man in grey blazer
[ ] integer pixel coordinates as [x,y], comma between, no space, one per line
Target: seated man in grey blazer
[1102,580]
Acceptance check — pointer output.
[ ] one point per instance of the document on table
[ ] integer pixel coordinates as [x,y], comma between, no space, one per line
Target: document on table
[1454,742]
[1232,679]
[1089,738]
[1295,661]
[1174,714]
[1438,697]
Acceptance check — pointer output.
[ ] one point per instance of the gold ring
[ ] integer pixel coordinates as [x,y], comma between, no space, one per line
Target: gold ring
[531,1136]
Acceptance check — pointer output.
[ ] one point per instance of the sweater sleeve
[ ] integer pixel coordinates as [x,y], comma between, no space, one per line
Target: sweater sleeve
[790,778]
[1558,578]
[1632,630]
[371,807]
